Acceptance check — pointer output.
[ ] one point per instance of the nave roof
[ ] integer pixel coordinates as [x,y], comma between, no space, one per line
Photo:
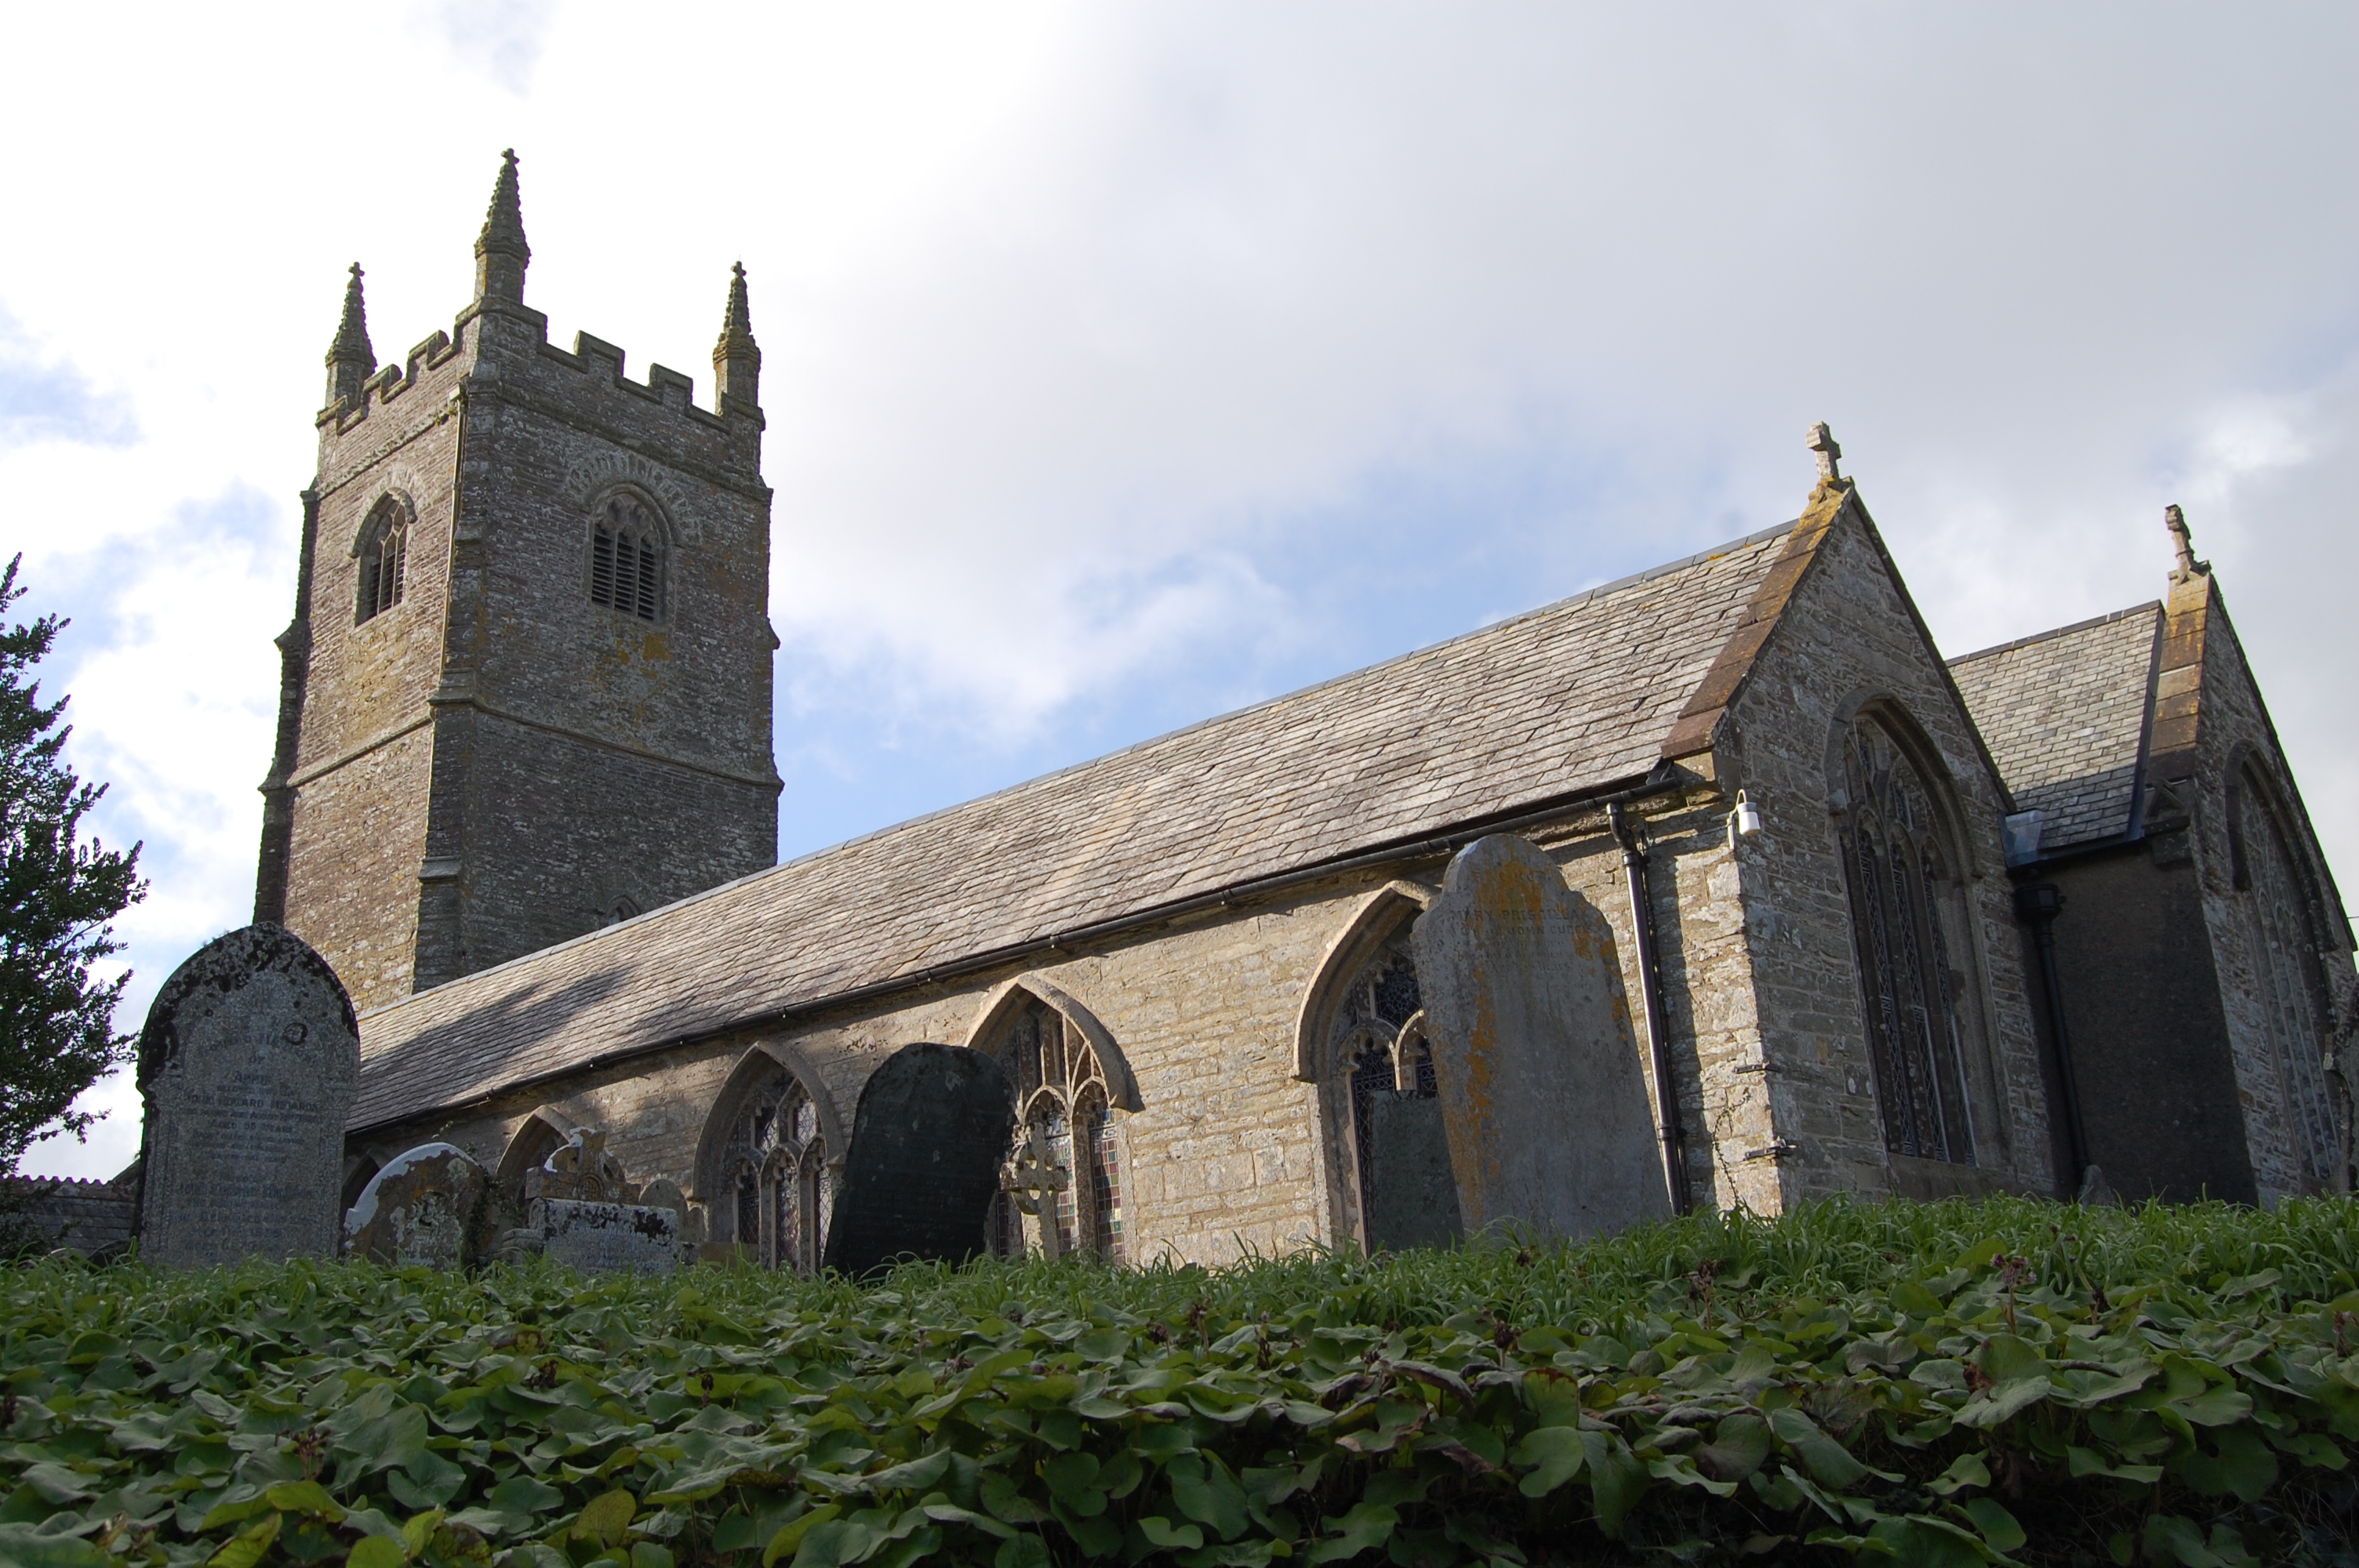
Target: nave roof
[1576,696]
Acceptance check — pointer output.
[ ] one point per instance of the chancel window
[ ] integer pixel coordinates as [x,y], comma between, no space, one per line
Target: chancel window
[1903,930]
[385,547]
[781,1192]
[1063,1191]
[626,557]
[2288,962]
[1379,1045]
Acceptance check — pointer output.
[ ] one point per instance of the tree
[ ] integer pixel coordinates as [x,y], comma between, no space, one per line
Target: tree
[57,894]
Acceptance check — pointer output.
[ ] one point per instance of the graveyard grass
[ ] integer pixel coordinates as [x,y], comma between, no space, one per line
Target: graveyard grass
[1951,1383]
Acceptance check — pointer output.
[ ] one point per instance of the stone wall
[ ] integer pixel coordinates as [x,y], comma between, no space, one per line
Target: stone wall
[88,1216]
[2143,1010]
[363,756]
[1228,1154]
[1848,636]
[357,838]
[2211,721]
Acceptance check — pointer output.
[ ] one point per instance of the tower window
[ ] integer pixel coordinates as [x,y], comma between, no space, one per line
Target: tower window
[384,547]
[627,559]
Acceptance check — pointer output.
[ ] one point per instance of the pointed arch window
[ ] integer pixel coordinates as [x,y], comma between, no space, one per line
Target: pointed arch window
[781,1188]
[1378,1046]
[384,552]
[1064,1119]
[1904,931]
[626,557]
[2289,975]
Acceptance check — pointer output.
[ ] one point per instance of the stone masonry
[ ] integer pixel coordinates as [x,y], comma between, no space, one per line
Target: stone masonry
[496,762]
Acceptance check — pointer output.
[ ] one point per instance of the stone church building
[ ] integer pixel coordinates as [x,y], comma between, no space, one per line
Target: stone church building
[2047,915]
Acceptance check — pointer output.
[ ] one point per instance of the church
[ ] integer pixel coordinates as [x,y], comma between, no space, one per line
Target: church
[2049,918]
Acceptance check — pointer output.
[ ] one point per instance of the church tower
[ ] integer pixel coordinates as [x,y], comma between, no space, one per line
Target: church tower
[527,690]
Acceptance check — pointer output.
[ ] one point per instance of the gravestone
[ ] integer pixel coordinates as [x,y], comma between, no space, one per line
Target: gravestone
[927,1142]
[1542,1097]
[1415,1201]
[429,1205]
[608,1237]
[246,1070]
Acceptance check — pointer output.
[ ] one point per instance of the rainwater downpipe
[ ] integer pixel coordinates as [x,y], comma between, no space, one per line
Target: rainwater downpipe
[1658,1027]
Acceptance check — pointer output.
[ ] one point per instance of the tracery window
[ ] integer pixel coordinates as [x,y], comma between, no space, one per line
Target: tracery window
[1064,1121]
[1380,1051]
[626,557]
[2288,976]
[782,1193]
[1903,932]
[385,549]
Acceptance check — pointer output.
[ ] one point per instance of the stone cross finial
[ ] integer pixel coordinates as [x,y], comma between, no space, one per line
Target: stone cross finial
[1822,441]
[1032,1184]
[2188,566]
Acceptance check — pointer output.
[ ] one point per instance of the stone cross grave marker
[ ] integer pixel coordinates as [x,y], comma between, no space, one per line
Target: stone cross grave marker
[246,1071]
[427,1205]
[1542,1096]
[927,1145]
[1034,1184]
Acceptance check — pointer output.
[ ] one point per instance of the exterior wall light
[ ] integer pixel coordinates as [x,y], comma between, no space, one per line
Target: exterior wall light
[1746,820]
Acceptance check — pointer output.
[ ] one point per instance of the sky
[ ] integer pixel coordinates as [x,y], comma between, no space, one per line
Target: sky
[1126,364]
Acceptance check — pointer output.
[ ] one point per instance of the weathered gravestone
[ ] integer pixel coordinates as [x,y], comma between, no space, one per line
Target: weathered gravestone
[246,1070]
[1416,1202]
[927,1142]
[608,1237]
[584,1211]
[429,1205]
[1541,1095]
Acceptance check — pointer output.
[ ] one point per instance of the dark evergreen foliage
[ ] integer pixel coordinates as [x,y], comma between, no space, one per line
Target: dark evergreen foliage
[58,893]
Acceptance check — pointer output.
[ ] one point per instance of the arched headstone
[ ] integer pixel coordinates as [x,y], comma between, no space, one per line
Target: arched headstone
[927,1145]
[429,1205]
[1542,1097]
[246,1070]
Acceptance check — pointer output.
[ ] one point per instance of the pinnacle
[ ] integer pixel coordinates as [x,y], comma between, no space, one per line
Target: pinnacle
[351,342]
[736,320]
[504,223]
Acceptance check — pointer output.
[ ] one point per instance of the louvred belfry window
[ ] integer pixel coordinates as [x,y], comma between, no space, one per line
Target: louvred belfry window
[1899,888]
[384,545]
[627,559]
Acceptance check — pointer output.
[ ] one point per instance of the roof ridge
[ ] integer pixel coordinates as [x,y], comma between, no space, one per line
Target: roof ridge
[1554,607]
[2093,622]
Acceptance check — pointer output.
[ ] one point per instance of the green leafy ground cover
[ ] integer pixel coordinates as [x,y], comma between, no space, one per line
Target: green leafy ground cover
[1954,1383]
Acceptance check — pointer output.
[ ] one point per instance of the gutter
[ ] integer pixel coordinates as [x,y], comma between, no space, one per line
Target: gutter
[1667,778]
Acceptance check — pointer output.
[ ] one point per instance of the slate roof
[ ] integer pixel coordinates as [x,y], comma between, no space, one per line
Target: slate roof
[1575,696]
[2066,716]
